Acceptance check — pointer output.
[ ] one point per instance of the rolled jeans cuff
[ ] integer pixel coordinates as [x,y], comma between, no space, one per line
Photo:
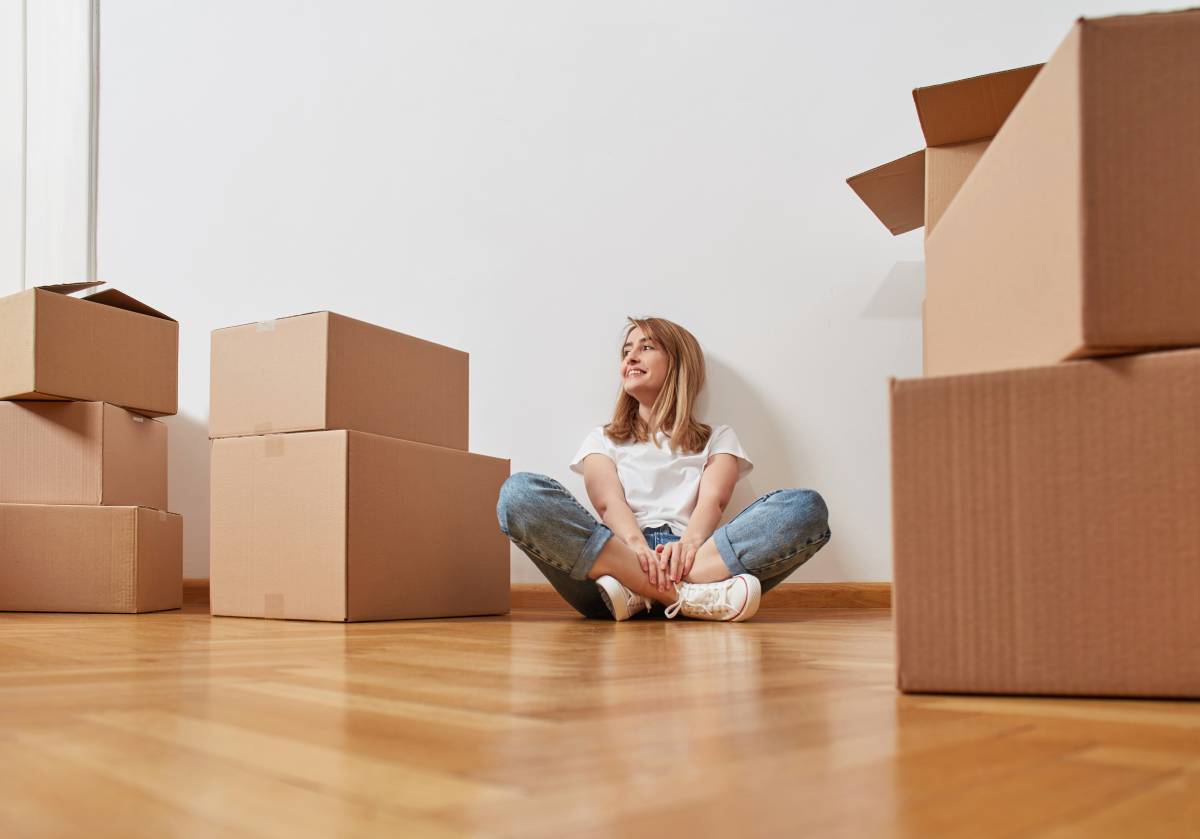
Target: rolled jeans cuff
[591,550]
[728,555]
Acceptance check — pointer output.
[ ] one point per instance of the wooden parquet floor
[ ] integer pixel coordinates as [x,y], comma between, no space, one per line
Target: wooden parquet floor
[540,724]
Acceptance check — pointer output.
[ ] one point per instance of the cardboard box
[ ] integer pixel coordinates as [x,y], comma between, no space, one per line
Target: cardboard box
[1046,531]
[89,559]
[1075,235]
[345,526]
[81,453]
[958,120]
[103,347]
[324,371]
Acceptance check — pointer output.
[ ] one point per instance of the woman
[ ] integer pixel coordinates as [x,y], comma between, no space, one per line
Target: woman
[660,481]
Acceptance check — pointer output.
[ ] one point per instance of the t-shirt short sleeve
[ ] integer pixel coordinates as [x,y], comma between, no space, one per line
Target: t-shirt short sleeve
[594,443]
[724,441]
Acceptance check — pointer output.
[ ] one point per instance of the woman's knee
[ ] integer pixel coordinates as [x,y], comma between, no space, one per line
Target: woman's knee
[808,513]
[518,497]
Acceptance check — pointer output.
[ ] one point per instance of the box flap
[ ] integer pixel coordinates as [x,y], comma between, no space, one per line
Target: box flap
[895,192]
[121,300]
[970,109]
[69,288]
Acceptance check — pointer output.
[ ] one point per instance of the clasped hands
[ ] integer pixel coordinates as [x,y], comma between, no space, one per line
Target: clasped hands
[667,564]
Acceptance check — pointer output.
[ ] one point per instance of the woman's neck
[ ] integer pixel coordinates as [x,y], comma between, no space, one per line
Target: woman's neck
[644,413]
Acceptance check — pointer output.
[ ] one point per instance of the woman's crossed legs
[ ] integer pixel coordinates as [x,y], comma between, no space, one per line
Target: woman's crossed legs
[769,539]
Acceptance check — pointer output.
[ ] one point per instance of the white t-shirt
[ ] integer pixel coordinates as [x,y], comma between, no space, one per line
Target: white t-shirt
[662,487]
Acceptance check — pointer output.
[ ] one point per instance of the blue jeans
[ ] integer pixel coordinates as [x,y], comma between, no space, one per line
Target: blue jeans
[769,539]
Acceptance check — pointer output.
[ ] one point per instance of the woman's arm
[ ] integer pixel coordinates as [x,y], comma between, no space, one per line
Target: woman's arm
[716,487]
[608,497]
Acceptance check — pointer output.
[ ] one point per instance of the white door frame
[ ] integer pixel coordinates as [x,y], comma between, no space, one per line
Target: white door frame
[49,96]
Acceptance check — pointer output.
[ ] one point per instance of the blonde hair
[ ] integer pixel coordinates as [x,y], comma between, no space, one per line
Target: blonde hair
[672,410]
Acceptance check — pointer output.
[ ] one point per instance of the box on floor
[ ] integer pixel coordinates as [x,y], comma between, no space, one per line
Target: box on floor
[74,558]
[1074,234]
[1046,531]
[346,526]
[103,347]
[81,453]
[325,371]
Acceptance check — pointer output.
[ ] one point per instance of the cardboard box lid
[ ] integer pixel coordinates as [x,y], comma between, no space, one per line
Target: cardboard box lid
[970,109]
[895,192]
[961,111]
[105,297]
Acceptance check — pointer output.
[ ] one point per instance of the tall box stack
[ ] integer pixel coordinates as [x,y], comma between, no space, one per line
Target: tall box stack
[1046,471]
[84,525]
[342,488]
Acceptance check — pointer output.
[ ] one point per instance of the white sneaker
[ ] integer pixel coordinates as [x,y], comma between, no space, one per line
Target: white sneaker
[735,599]
[622,602]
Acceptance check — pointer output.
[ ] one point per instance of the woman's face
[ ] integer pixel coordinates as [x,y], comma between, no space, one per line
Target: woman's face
[643,366]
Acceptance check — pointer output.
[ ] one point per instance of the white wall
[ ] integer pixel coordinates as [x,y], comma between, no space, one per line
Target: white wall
[12,145]
[514,178]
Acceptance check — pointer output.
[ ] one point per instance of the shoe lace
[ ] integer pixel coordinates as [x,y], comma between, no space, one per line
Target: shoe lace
[703,598]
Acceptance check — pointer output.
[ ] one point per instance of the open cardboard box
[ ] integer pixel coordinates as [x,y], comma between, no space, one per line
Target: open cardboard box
[104,346]
[1074,233]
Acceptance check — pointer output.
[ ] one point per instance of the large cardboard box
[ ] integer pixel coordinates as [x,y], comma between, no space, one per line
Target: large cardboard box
[345,526]
[958,120]
[81,453]
[1046,531]
[89,559]
[103,347]
[326,371]
[1076,234]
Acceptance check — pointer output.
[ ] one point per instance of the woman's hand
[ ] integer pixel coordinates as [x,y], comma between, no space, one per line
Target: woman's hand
[678,557]
[649,560]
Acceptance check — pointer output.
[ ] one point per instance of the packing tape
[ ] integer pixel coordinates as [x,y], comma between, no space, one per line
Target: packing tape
[137,417]
[162,515]
[274,445]
[265,326]
[273,605]
[263,428]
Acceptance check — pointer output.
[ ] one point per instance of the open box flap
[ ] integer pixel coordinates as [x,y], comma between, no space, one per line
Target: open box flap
[69,288]
[121,300]
[105,297]
[895,192]
[970,109]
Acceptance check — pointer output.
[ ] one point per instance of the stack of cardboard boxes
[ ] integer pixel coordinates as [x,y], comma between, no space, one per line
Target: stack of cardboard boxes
[83,466]
[1046,472]
[342,488]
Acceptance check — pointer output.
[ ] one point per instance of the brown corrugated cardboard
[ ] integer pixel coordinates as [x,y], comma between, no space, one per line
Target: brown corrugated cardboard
[340,525]
[1046,536]
[81,453]
[1076,233]
[325,371]
[957,114]
[105,347]
[89,559]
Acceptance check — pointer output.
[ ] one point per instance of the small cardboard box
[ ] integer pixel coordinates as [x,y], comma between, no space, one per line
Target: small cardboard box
[81,453]
[103,347]
[89,559]
[958,120]
[345,526]
[1045,529]
[1076,234]
[323,371]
